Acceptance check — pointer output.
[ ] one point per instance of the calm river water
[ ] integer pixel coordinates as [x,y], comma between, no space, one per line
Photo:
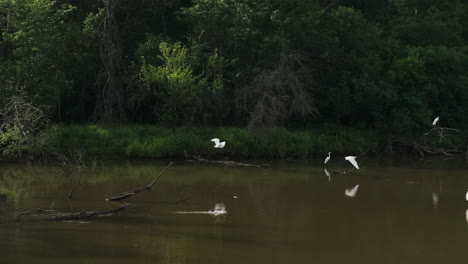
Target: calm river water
[402,212]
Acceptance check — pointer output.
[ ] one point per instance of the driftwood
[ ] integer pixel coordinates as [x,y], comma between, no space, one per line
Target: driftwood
[88,214]
[227,163]
[19,216]
[148,187]
[54,215]
[422,149]
[37,210]
[436,141]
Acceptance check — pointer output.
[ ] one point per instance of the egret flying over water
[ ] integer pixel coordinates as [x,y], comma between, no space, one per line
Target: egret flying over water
[327,158]
[351,192]
[217,143]
[352,160]
[436,120]
[466,196]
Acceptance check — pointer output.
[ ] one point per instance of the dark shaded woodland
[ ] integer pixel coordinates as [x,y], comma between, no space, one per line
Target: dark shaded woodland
[390,65]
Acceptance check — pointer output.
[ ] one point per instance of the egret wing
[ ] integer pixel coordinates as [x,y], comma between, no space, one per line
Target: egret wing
[352,160]
[216,141]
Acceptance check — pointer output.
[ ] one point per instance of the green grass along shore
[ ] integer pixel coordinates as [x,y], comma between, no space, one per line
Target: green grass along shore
[149,141]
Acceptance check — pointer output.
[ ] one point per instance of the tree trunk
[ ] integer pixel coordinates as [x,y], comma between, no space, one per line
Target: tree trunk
[110,82]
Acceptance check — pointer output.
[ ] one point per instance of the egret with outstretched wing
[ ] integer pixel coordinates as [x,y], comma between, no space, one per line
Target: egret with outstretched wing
[352,160]
[217,143]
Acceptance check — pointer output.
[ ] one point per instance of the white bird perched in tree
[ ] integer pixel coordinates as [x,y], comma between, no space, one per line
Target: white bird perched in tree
[327,158]
[352,160]
[217,143]
[436,120]
[351,192]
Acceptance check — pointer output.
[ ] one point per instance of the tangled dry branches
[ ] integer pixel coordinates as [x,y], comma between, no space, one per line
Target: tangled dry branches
[275,95]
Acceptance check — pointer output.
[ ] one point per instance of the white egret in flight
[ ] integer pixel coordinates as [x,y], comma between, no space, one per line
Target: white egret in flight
[436,120]
[351,192]
[466,196]
[327,158]
[217,143]
[352,160]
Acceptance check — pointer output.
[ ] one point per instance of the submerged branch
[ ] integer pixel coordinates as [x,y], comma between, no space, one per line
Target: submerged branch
[88,214]
[227,163]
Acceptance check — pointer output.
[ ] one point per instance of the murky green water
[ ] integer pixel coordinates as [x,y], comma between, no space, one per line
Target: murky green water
[290,213]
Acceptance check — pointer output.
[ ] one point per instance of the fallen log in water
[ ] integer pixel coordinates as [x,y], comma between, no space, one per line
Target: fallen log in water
[88,214]
[227,163]
[148,187]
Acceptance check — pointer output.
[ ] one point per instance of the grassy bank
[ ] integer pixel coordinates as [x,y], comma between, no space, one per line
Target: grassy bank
[148,141]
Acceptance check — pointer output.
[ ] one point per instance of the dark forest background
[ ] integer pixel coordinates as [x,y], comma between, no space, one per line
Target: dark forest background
[390,65]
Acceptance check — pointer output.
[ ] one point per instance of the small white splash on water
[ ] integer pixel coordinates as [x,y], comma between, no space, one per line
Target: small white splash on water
[219,209]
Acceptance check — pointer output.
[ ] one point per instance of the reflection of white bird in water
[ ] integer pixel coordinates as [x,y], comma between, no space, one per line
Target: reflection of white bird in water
[352,160]
[435,121]
[466,215]
[351,192]
[217,143]
[435,199]
[327,173]
[327,158]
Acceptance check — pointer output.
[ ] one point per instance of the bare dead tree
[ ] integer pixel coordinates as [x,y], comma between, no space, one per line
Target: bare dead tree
[436,141]
[276,94]
[110,81]
[25,120]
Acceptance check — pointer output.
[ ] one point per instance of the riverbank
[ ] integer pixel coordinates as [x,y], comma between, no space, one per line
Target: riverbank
[149,141]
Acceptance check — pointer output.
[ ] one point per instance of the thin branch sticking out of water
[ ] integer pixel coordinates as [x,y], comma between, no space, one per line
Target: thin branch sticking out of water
[148,187]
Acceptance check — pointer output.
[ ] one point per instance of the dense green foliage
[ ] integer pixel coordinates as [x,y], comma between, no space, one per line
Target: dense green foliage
[389,65]
[146,141]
